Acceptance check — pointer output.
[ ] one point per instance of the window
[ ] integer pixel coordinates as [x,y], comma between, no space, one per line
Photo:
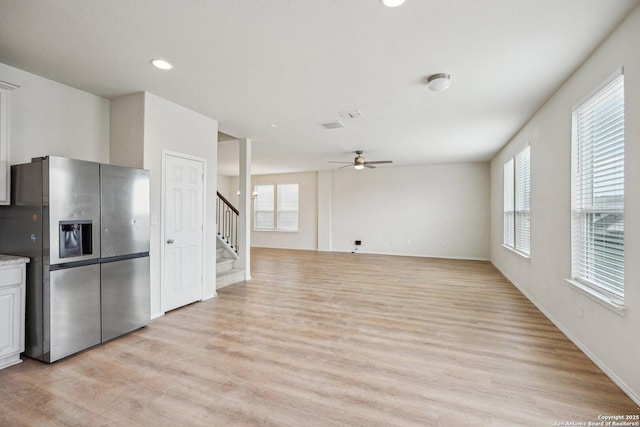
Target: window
[276,207]
[263,208]
[517,202]
[598,185]
[509,205]
[523,202]
[288,207]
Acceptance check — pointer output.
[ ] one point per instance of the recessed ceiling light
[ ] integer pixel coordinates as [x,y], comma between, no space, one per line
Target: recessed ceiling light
[273,125]
[391,3]
[161,64]
[439,82]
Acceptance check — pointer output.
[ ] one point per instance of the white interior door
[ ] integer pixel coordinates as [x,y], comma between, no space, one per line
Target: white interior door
[183,231]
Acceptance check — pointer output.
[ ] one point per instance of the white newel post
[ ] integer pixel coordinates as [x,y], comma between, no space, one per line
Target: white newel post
[244,221]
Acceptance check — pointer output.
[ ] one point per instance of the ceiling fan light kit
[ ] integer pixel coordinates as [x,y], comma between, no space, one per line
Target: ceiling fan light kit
[439,82]
[360,162]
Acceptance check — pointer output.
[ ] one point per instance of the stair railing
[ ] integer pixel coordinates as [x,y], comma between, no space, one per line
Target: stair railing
[227,220]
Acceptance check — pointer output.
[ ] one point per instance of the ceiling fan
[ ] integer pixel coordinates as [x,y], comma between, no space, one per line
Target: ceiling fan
[360,163]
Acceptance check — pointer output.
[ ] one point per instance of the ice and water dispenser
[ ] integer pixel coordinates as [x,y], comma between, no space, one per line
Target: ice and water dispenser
[75,238]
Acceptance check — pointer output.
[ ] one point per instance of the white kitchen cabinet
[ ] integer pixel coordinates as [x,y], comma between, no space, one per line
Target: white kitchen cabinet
[5,170]
[12,306]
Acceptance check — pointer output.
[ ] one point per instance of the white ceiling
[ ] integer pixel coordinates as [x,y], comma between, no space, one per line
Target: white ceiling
[296,63]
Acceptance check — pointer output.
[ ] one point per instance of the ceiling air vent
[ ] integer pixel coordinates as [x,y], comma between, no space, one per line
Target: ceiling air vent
[350,114]
[332,125]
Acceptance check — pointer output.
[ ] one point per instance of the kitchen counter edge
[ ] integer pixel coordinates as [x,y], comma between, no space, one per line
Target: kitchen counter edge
[12,260]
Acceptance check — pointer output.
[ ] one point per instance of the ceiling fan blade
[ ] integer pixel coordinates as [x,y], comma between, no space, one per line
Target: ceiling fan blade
[350,163]
[346,166]
[379,162]
[367,165]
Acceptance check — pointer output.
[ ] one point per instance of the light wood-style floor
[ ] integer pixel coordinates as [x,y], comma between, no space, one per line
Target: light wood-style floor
[329,339]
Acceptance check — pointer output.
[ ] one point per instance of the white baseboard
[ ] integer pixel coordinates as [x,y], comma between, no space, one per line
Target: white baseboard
[461,258]
[603,367]
[283,247]
[213,295]
[156,315]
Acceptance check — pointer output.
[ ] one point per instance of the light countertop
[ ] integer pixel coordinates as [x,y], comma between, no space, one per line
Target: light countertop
[12,259]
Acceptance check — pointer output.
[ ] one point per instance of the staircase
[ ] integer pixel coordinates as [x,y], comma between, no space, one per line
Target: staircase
[226,245]
[226,274]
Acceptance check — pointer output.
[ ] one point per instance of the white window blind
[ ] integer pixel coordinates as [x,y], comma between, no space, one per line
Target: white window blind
[598,217]
[523,201]
[264,208]
[517,202]
[288,207]
[509,220]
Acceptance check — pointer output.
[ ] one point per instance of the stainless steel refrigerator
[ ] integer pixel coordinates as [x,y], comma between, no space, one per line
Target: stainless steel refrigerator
[124,250]
[85,227]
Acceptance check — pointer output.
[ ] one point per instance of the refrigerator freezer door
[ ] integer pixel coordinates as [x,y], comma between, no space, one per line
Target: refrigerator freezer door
[125,296]
[75,310]
[125,210]
[72,191]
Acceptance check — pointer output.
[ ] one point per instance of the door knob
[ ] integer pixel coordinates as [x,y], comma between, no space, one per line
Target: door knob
[170,241]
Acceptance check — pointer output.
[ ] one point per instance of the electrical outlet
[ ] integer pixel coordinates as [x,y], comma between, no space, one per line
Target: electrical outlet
[581,311]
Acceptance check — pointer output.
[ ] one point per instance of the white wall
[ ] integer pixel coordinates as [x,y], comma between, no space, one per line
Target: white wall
[224,187]
[325,190]
[306,238]
[433,211]
[442,209]
[127,131]
[49,118]
[611,340]
[168,126]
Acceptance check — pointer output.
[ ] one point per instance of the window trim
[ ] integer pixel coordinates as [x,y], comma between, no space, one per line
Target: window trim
[613,304]
[276,211]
